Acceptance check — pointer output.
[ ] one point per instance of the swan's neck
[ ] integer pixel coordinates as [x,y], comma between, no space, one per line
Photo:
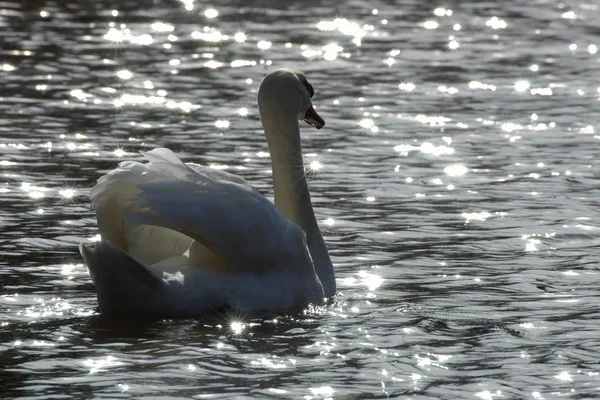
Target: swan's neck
[292,196]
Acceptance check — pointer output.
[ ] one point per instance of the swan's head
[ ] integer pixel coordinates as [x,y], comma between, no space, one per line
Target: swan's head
[287,91]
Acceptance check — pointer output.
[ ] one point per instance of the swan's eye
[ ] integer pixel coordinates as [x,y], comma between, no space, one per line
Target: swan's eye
[309,87]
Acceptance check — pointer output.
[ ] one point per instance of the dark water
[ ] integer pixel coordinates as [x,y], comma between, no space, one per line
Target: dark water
[457,182]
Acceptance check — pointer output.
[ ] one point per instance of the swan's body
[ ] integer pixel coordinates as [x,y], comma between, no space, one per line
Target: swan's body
[180,239]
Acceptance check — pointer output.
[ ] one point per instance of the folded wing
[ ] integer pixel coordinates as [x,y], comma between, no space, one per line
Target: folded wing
[163,208]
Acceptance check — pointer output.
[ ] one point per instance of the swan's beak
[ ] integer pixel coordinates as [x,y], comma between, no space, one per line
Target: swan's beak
[312,118]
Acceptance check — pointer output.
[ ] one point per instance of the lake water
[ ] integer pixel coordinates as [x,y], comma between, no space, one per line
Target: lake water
[456,182]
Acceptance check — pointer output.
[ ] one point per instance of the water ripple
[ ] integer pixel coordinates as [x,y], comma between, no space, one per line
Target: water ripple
[455,183]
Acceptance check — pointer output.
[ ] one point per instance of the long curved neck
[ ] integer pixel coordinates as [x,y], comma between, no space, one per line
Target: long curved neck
[292,196]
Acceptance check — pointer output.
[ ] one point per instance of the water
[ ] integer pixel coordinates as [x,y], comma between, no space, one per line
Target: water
[456,183]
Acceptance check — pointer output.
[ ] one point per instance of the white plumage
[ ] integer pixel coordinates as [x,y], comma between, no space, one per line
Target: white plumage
[181,239]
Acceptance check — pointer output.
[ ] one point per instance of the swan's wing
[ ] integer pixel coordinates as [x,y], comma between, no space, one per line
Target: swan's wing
[148,244]
[169,163]
[232,219]
[154,210]
[218,174]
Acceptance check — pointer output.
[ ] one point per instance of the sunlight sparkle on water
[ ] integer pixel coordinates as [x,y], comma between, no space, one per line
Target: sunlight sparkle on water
[415,379]
[443,12]
[510,127]
[345,27]
[188,4]
[330,51]
[322,391]
[67,193]
[487,395]
[446,89]
[532,243]
[565,377]
[242,63]
[475,216]
[264,45]
[222,124]
[425,148]
[237,327]
[315,165]
[71,146]
[119,152]
[212,64]
[124,74]
[481,85]
[432,120]
[367,123]
[242,111]
[162,27]
[521,86]
[496,23]
[547,91]
[79,94]
[122,35]
[435,360]
[430,24]
[309,53]
[455,170]
[35,192]
[211,13]
[272,362]
[371,281]
[240,37]
[407,86]
[36,195]
[102,364]
[208,35]
[118,103]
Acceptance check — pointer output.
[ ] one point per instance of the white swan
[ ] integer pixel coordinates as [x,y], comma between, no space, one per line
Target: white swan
[181,239]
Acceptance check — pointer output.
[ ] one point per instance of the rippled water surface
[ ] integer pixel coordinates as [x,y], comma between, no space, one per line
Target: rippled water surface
[456,183]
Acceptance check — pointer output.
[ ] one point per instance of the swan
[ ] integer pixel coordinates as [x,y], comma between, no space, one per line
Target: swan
[181,239]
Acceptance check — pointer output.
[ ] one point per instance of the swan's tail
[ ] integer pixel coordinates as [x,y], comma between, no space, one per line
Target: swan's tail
[123,283]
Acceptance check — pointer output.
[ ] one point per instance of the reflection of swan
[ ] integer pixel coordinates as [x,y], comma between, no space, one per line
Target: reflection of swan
[179,239]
